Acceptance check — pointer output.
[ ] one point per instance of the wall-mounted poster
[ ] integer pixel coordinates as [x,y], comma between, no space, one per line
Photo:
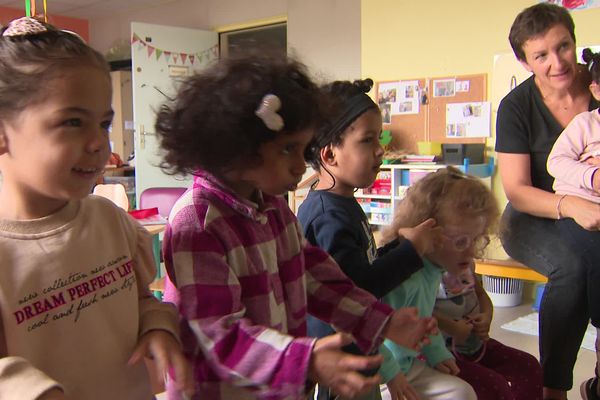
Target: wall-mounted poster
[444,87]
[388,92]
[386,113]
[468,119]
[408,98]
[462,86]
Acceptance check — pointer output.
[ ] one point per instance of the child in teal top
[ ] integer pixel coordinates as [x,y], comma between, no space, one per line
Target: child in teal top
[467,212]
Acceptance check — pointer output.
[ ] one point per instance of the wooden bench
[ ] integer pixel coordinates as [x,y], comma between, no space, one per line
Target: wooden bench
[507,269]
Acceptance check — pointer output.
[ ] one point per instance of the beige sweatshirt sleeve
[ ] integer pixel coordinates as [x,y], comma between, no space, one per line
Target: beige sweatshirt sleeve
[153,313]
[21,380]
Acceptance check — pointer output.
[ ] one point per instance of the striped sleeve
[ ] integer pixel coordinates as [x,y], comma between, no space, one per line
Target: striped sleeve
[333,297]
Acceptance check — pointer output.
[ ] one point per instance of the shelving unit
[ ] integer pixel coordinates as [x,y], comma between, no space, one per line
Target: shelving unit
[389,188]
[379,205]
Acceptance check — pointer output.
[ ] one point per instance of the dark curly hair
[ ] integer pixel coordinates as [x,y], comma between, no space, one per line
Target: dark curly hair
[592,61]
[28,60]
[535,21]
[212,124]
[337,95]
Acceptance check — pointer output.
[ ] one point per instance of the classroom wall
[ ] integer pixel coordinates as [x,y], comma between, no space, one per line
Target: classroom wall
[404,39]
[80,26]
[325,34]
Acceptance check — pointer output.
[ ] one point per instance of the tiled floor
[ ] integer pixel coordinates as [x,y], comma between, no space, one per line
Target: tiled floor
[585,362]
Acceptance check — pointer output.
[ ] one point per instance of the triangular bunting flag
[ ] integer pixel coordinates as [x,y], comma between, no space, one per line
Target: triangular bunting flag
[192,59]
[150,50]
[158,53]
[167,55]
[135,38]
[175,58]
[183,58]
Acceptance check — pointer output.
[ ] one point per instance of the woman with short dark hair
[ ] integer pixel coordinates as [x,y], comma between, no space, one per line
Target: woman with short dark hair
[530,119]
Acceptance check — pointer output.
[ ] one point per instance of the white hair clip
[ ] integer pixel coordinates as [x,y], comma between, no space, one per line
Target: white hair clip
[24,26]
[267,111]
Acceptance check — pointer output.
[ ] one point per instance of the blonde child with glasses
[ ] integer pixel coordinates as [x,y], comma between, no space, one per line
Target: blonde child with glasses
[467,212]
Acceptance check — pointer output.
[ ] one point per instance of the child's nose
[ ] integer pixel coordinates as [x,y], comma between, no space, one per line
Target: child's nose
[98,141]
[299,165]
[557,60]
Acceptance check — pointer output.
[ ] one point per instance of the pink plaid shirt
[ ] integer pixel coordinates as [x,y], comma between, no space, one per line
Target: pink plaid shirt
[246,279]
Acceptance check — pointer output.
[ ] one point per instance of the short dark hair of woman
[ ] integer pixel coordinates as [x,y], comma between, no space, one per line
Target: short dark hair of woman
[535,21]
[212,124]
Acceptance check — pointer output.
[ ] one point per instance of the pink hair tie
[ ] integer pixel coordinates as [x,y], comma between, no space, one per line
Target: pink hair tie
[267,112]
[24,26]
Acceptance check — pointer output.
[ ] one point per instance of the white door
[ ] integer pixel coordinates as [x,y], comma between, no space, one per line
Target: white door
[161,56]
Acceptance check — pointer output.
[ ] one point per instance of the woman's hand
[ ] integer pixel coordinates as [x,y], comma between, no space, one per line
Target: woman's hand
[400,389]
[584,212]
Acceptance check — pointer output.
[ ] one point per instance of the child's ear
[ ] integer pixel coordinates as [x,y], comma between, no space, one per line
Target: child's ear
[328,155]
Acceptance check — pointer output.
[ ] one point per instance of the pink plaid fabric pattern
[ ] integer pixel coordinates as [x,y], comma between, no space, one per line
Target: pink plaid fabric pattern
[246,279]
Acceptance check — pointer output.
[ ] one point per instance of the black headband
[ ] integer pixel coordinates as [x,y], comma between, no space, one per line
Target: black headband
[355,107]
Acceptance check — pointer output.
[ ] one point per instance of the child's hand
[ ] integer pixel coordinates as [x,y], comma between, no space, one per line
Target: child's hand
[400,389]
[595,161]
[331,367]
[166,352]
[481,325]
[461,330]
[406,329]
[52,394]
[424,237]
[448,367]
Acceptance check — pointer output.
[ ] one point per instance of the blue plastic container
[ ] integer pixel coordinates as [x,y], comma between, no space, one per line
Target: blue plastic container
[539,292]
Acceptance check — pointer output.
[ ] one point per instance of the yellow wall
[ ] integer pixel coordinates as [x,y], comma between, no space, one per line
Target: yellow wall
[404,39]
[408,39]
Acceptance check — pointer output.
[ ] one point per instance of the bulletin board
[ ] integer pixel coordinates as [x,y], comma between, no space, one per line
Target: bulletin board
[429,123]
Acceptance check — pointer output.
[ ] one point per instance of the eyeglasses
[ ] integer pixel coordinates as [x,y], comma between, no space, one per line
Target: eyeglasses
[464,242]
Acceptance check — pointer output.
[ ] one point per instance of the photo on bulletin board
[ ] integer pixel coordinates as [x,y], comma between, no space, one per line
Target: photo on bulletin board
[387,92]
[468,120]
[444,87]
[408,99]
[462,86]
[386,113]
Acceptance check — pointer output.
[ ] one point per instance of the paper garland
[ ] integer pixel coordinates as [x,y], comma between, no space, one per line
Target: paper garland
[175,57]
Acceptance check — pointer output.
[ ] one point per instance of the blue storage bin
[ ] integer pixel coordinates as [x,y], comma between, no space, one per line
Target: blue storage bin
[539,292]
